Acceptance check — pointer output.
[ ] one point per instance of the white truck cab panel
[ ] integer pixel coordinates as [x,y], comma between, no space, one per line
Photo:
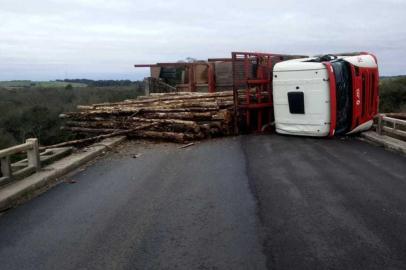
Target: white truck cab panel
[295,83]
[366,61]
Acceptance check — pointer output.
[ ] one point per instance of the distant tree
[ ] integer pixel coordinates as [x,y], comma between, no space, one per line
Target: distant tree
[68,87]
[191,59]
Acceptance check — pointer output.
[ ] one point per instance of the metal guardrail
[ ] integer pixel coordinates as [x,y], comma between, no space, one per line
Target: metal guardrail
[34,164]
[391,126]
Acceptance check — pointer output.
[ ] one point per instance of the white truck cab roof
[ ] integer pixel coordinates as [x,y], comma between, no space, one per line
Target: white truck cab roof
[298,64]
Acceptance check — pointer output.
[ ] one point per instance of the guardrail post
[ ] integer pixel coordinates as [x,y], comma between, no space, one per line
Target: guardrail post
[6,167]
[147,86]
[380,122]
[33,154]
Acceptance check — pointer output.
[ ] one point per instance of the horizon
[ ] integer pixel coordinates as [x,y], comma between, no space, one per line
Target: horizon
[132,80]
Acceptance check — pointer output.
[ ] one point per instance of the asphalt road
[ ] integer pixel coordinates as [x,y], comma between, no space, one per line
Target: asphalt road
[251,202]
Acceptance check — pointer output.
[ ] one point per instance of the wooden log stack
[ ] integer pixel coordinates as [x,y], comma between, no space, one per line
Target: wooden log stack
[175,117]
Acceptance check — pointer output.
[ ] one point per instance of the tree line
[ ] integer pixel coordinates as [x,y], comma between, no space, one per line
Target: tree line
[102,83]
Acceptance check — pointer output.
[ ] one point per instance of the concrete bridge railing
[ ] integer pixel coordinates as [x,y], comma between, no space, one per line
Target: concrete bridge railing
[391,126]
[33,157]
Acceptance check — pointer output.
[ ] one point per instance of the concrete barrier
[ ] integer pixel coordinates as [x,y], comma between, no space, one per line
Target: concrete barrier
[385,141]
[34,165]
[19,191]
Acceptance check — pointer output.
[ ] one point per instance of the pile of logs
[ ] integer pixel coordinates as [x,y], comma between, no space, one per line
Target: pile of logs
[179,117]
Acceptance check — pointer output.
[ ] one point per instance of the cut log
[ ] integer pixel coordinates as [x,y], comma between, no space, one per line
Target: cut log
[106,124]
[181,124]
[92,130]
[180,115]
[156,105]
[166,98]
[172,104]
[167,136]
[135,111]
[97,138]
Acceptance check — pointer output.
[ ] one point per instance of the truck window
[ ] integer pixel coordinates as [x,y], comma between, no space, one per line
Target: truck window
[342,73]
[296,102]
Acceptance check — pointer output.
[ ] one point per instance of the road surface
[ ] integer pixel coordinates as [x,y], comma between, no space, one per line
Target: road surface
[249,202]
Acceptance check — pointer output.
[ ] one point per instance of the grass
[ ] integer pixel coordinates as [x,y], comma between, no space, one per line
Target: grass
[37,84]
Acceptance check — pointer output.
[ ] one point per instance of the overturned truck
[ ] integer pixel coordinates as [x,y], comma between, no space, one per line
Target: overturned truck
[325,95]
[319,96]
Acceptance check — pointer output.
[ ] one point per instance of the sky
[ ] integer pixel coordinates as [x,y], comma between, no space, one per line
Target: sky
[99,39]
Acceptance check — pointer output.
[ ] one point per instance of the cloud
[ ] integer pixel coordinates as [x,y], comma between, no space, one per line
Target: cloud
[102,39]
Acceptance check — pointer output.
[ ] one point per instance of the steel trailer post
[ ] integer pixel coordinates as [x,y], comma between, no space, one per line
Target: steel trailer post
[256,75]
[210,78]
[235,93]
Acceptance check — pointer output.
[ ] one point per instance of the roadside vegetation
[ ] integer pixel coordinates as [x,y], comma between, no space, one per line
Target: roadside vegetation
[34,111]
[392,92]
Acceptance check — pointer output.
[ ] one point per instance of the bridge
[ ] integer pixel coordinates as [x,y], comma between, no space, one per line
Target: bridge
[245,202]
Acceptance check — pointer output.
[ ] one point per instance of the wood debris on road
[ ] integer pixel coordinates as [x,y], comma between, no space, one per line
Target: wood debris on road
[186,145]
